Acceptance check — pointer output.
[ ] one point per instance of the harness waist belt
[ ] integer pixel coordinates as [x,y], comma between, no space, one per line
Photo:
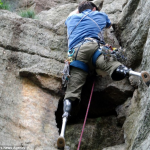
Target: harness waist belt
[80,65]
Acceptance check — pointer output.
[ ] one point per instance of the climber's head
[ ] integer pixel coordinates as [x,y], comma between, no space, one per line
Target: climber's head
[87,5]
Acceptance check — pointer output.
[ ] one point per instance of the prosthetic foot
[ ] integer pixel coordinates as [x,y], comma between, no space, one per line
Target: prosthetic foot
[121,72]
[67,109]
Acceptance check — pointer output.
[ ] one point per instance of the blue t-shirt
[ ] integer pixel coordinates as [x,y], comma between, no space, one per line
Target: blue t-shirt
[86,28]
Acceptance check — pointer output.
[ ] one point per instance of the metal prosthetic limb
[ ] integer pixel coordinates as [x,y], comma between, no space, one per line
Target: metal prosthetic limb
[122,71]
[67,109]
[144,75]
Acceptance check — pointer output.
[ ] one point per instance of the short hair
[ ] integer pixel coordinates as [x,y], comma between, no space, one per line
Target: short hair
[95,6]
[86,5]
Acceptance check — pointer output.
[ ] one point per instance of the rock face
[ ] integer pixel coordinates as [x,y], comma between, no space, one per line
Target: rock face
[96,133]
[32,55]
[137,41]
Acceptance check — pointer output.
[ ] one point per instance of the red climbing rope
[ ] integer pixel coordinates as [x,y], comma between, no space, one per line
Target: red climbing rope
[86,116]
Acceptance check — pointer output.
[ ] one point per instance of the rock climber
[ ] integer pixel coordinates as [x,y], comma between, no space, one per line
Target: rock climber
[84,40]
[84,28]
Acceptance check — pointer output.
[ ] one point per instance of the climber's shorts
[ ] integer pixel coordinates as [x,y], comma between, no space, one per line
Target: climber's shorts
[78,76]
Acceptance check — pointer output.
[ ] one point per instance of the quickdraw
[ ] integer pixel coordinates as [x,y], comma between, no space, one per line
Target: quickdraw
[65,73]
[66,70]
[119,54]
[114,53]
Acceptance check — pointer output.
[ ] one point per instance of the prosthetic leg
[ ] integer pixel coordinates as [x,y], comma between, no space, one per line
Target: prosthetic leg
[66,109]
[121,72]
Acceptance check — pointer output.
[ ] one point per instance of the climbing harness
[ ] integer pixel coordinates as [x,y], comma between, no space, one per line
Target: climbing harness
[77,63]
[86,116]
[106,50]
[80,64]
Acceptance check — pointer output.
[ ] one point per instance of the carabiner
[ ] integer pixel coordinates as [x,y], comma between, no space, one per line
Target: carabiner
[71,52]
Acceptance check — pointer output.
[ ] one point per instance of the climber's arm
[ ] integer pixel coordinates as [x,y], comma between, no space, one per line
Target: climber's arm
[109,26]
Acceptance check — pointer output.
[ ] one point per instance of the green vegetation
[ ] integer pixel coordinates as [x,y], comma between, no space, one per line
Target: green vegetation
[4,5]
[29,13]
[0,3]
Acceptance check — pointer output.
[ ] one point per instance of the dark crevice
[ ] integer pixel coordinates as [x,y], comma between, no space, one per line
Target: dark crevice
[79,111]
[59,114]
